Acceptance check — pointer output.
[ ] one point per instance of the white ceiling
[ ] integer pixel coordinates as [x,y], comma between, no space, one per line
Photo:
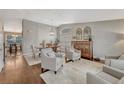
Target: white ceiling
[12,17]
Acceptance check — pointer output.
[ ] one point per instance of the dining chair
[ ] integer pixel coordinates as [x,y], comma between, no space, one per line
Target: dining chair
[35,52]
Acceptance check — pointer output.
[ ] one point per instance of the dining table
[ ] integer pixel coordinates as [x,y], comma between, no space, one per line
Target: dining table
[53,46]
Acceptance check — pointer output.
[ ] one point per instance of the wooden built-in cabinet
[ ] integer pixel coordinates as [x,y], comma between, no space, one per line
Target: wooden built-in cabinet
[86,48]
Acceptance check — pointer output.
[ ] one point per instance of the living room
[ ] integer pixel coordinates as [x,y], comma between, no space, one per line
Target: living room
[70,47]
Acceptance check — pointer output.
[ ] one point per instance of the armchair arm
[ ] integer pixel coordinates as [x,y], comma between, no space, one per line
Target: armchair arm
[113,71]
[94,79]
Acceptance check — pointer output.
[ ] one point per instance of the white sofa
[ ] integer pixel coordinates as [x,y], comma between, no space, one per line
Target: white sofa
[115,61]
[73,54]
[109,75]
[50,60]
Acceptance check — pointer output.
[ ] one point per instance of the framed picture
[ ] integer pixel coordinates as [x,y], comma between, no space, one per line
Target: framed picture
[79,34]
[87,33]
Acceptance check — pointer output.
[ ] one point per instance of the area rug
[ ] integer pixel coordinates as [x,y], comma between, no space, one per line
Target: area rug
[31,61]
[72,72]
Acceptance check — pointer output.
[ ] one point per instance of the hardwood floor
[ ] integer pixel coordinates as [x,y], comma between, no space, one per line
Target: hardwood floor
[17,71]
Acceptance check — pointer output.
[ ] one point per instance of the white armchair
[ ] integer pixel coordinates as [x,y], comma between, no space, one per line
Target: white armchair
[50,60]
[73,54]
[109,75]
[115,61]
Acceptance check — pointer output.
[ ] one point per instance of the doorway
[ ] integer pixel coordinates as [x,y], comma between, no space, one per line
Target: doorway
[13,44]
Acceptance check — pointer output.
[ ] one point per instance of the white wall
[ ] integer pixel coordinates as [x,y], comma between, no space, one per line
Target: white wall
[1,46]
[107,36]
[12,25]
[34,33]
[44,33]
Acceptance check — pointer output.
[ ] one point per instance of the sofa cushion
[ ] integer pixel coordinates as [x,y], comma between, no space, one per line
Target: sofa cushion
[121,81]
[108,77]
[95,79]
[117,63]
[121,57]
